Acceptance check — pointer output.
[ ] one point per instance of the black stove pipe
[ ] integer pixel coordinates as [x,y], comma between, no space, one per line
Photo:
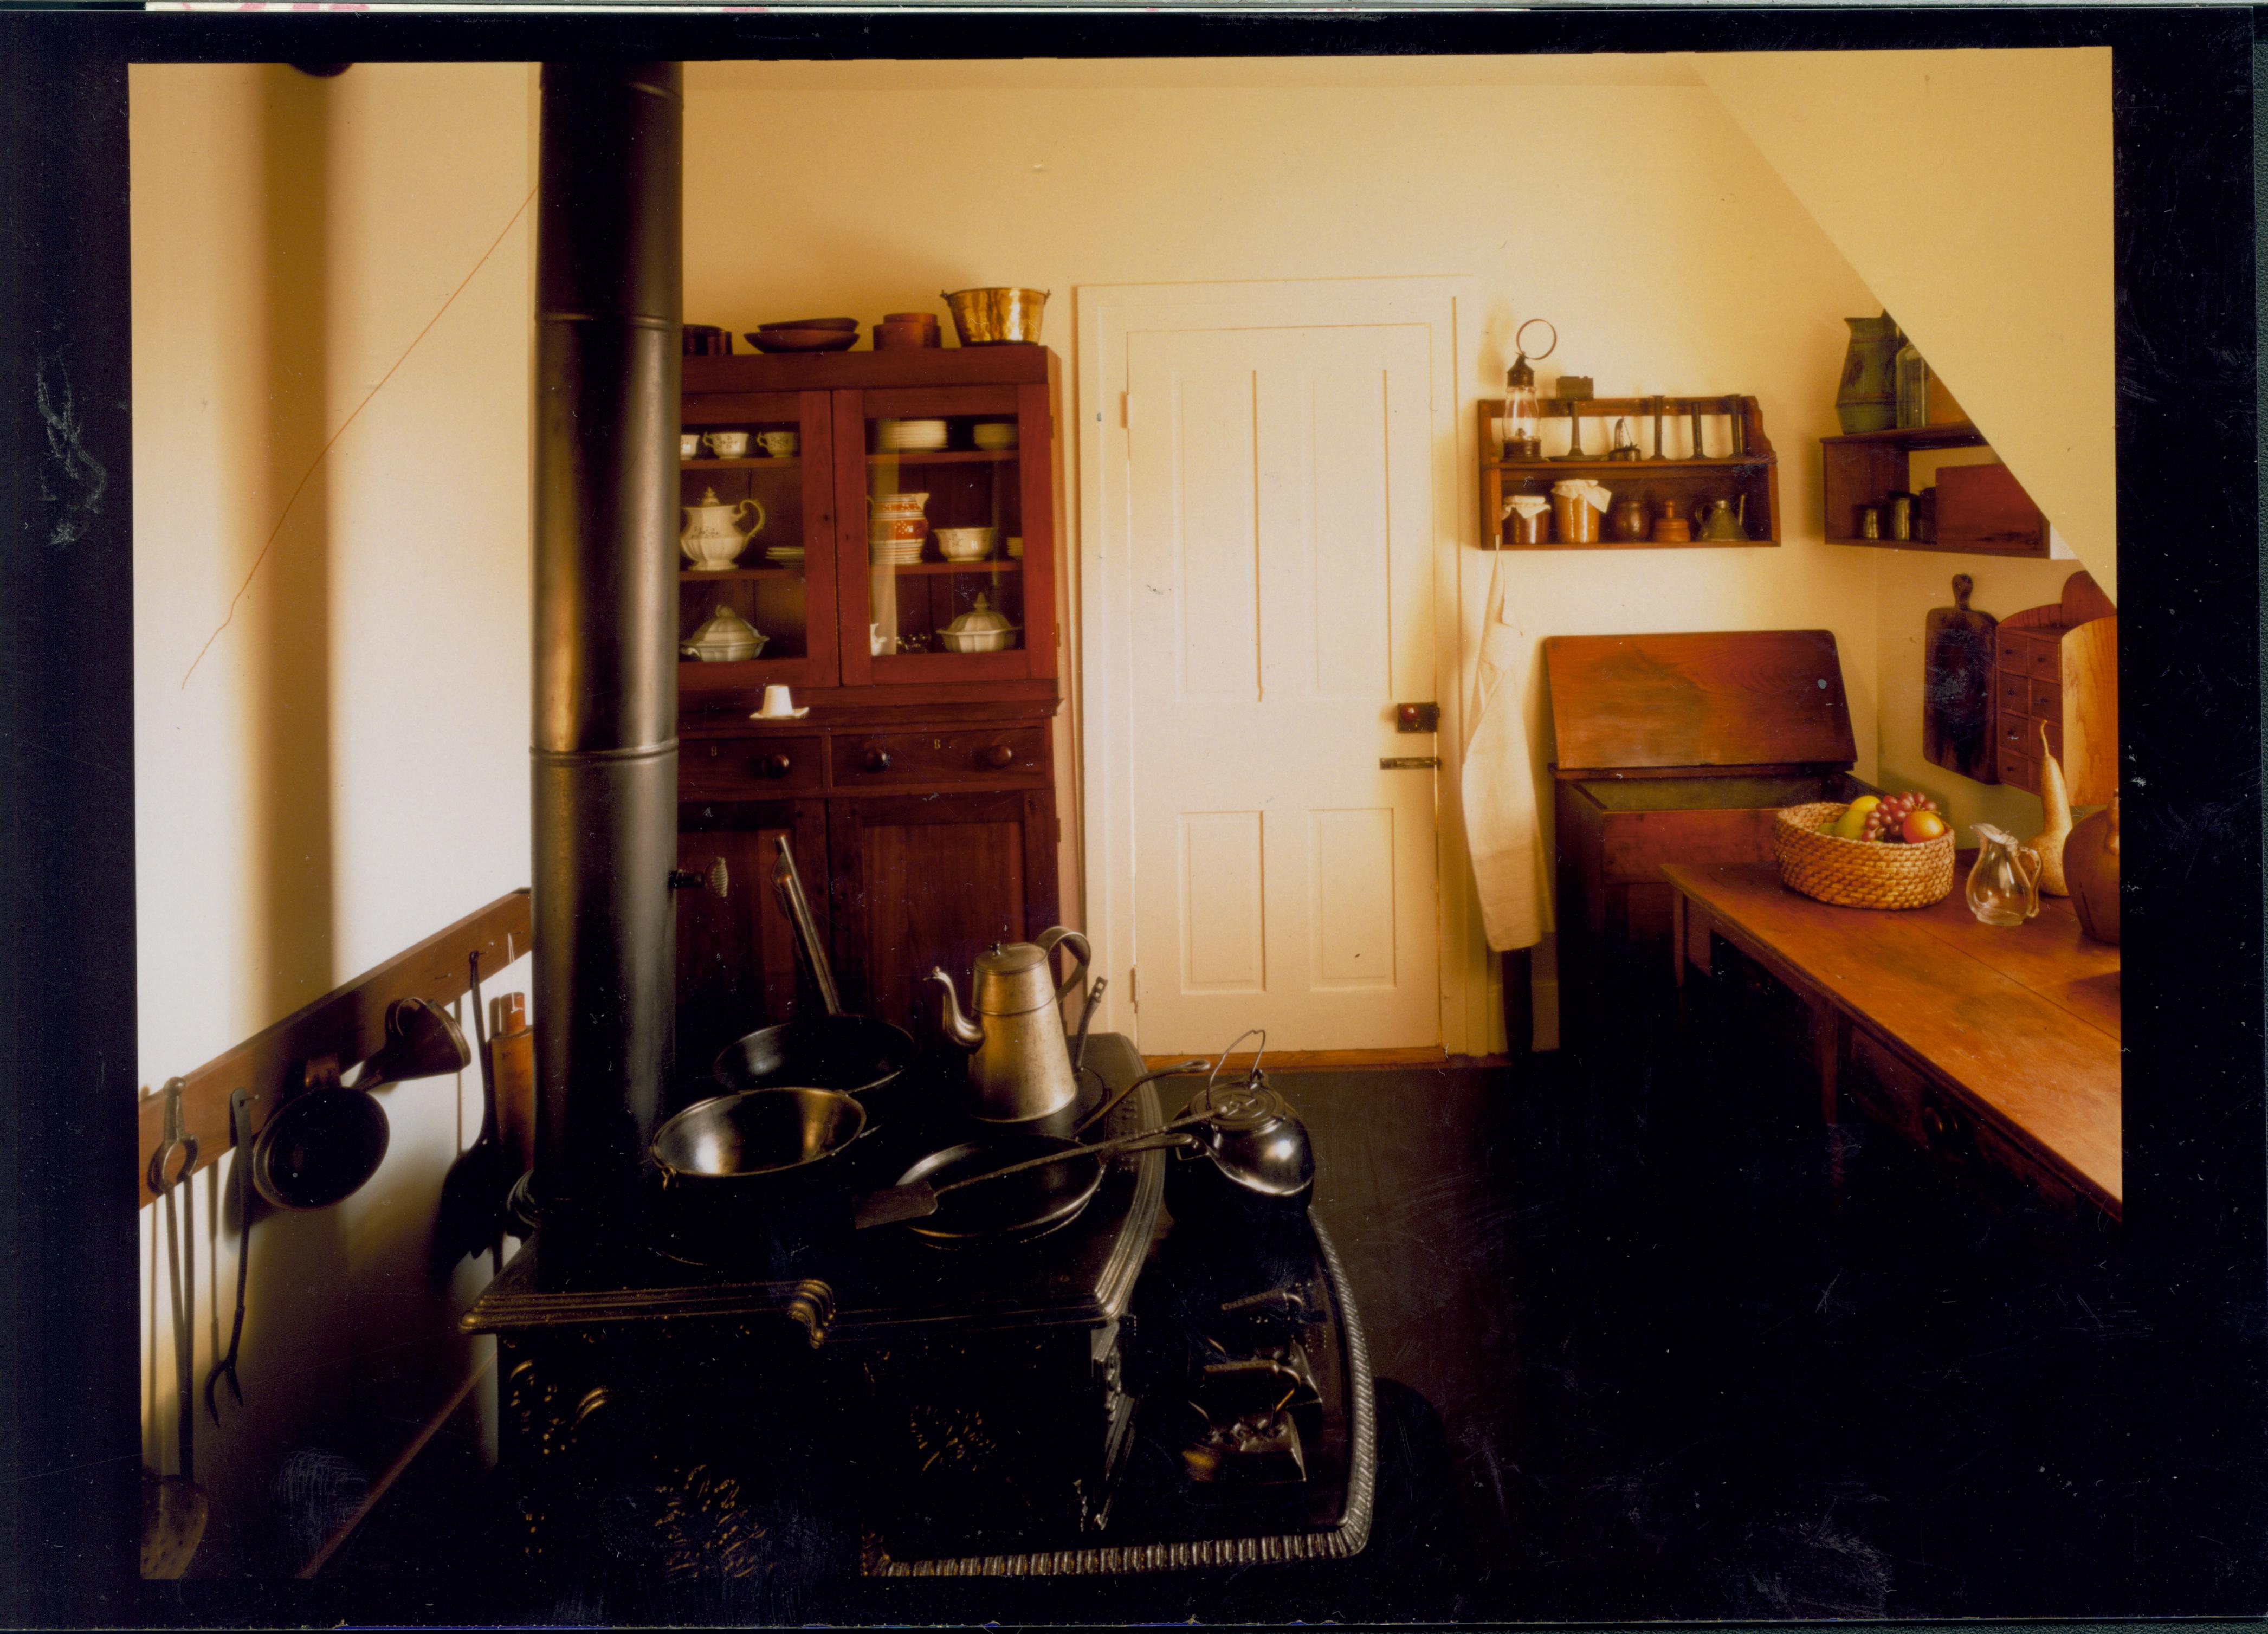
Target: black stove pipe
[608,311]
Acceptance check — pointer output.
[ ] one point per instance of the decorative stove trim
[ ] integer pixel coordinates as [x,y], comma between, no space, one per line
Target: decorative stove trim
[1340,1543]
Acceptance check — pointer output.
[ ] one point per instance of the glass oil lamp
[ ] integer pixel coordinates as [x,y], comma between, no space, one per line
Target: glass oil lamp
[1523,411]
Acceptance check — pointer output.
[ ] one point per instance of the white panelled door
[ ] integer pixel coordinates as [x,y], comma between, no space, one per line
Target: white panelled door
[1281,493]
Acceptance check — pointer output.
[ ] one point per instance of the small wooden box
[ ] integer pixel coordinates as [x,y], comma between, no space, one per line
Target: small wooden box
[1676,748]
[1984,508]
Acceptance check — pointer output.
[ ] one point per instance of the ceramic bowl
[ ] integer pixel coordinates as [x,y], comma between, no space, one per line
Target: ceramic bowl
[995,434]
[965,544]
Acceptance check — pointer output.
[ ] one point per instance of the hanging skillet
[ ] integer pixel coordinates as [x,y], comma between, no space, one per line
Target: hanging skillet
[322,1144]
[854,1055]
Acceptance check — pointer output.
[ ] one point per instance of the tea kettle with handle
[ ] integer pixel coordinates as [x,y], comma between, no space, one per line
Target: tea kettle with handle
[1020,1063]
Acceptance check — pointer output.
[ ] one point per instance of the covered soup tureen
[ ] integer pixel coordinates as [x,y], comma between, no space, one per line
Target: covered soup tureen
[725,637]
[980,630]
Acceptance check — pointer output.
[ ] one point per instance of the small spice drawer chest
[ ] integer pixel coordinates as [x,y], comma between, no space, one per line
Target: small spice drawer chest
[2057,667]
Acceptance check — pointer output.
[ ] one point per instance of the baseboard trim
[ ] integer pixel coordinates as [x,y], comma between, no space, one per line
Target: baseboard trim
[1331,1060]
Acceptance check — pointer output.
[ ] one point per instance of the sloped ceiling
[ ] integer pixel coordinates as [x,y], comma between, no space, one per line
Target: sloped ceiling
[1971,190]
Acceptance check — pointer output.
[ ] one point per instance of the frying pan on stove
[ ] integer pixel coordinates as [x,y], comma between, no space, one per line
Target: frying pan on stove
[1013,1208]
[854,1055]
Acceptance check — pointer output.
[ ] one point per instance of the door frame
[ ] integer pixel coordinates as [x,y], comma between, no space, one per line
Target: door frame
[1108,317]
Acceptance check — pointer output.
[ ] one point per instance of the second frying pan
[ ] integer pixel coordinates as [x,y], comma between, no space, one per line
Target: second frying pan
[856,1055]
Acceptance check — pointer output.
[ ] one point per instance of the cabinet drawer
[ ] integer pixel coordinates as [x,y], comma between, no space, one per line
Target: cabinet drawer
[719,767]
[1992,1166]
[1883,1086]
[2018,1174]
[1900,1098]
[2015,650]
[2015,691]
[2047,699]
[2045,657]
[1006,757]
[2021,733]
[2017,770]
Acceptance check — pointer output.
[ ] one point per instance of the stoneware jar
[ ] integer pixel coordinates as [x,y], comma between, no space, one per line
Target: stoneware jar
[1868,399]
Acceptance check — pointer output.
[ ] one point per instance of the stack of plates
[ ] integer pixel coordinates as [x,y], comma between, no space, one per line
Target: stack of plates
[900,437]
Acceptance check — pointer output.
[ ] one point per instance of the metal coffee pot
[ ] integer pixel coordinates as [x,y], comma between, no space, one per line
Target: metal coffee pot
[1019,1066]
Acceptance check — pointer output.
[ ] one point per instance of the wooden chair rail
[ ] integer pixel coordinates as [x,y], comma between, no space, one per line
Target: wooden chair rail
[348,1022]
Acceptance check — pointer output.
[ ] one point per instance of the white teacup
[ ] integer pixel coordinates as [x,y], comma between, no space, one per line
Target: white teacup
[688,444]
[728,445]
[779,444]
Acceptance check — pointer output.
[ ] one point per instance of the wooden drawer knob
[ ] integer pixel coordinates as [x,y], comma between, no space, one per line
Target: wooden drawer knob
[1948,1131]
[999,757]
[774,765]
[877,760]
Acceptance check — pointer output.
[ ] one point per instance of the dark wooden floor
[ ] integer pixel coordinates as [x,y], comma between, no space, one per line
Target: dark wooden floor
[1634,1362]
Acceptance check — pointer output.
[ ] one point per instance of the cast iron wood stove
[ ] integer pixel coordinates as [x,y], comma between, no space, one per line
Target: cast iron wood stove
[1118,1396]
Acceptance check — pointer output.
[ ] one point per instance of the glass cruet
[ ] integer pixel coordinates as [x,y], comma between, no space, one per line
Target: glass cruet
[2004,886]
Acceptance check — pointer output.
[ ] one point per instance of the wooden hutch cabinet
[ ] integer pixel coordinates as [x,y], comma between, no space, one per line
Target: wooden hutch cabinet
[920,785]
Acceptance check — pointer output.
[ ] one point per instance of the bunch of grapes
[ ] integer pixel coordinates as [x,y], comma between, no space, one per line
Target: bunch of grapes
[1887,822]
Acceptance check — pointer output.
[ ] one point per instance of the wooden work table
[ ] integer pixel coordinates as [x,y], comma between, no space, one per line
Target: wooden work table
[1995,1049]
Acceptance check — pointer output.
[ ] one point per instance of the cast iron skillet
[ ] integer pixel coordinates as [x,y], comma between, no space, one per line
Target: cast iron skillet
[850,1054]
[1016,1206]
[854,1055]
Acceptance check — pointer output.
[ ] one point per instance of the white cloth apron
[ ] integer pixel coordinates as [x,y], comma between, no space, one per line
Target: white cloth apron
[1501,832]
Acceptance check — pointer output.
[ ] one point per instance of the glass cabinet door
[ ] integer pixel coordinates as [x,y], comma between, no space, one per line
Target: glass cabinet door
[954,532]
[756,586]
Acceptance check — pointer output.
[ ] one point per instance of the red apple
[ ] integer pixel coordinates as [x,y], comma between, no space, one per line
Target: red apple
[1920,826]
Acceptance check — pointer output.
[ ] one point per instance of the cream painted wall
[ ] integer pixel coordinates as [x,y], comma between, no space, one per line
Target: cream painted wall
[1669,255]
[1971,189]
[344,771]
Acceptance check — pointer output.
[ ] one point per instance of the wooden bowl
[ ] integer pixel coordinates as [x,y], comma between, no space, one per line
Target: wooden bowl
[814,323]
[802,340]
[897,336]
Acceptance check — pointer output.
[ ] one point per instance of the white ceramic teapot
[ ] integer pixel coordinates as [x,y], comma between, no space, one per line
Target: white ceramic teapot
[711,540]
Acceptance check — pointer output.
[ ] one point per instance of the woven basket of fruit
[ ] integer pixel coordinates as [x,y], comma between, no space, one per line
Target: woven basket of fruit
[1894,852]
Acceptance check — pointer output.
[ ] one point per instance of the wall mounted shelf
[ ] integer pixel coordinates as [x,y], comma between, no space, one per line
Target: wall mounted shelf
[1744,470]
[1980,509]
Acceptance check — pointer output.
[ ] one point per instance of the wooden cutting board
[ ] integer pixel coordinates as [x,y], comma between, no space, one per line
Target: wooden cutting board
[1956,718]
